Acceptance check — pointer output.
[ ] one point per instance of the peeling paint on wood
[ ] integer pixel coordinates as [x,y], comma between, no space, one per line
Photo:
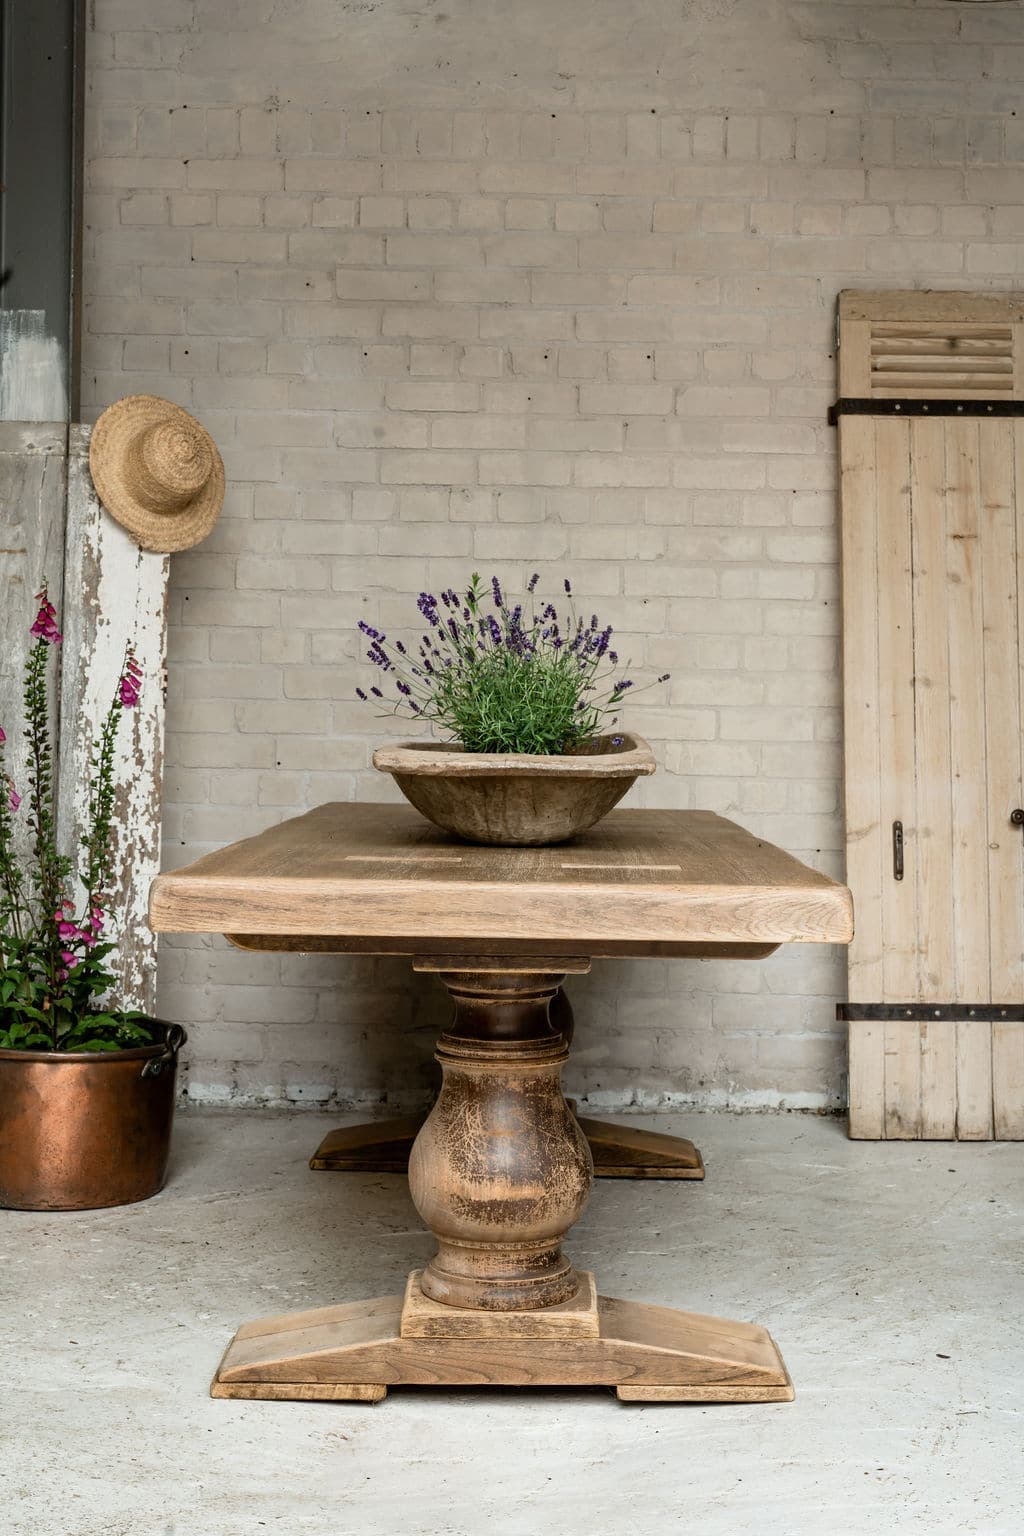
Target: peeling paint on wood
[117,593]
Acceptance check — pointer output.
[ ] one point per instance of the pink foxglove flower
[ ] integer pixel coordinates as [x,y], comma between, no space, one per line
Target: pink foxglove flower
[129,682]
[45,626]
[61,981]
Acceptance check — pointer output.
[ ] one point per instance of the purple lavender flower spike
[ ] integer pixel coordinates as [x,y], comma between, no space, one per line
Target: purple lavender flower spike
[495,630]
[499,601]
[403,687]
[664,677]
[568,587]
[531,584]
[361,695]
[368,629]
[427,605]
[376,693]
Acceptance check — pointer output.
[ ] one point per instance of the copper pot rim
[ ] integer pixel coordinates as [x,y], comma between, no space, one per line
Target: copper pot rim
[174,1038]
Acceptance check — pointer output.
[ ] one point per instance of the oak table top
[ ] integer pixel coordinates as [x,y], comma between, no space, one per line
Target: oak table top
[642,881]
[501,1168]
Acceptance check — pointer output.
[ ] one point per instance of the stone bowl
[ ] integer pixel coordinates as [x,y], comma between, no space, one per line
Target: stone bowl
[516,799]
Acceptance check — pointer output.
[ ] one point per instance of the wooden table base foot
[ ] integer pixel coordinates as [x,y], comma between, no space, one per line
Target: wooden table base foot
[624,1152]
[648,1354]
[377,1146]
[619,1151]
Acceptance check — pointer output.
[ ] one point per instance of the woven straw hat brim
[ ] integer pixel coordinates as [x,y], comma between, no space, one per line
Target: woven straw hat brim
[162,533]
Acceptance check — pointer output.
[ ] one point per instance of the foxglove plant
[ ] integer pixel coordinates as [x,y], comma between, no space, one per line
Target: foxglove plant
[53,973]
[503,677]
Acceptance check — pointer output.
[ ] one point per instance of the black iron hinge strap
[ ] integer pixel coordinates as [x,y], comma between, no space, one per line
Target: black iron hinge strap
[909,407]
[1005,1013]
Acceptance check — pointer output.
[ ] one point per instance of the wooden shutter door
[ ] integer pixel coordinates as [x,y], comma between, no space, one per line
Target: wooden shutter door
[932,489]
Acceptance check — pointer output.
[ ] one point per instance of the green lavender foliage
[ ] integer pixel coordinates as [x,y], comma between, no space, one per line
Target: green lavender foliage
[500,704]
[54,971]
[504,677]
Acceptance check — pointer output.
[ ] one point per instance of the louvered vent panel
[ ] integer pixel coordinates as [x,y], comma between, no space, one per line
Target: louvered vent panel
[920,360]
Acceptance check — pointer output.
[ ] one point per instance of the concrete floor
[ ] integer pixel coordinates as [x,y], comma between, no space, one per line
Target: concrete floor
[890,1276]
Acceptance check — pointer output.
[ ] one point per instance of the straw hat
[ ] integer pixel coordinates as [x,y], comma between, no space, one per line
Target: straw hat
[157,472]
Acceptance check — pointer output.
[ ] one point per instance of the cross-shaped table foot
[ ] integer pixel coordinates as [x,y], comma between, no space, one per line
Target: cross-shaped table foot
[618,1151]
[354,1352]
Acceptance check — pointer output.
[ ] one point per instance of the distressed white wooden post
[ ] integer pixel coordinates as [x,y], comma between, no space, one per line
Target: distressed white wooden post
[114,594]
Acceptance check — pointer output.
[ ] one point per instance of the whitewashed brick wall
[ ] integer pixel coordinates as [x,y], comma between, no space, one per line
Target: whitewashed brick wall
[545,286]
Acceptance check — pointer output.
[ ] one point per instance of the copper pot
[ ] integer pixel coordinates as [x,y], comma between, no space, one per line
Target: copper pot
[84,1129]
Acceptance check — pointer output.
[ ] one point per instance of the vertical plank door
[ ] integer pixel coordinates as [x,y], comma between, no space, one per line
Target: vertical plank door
[932,491]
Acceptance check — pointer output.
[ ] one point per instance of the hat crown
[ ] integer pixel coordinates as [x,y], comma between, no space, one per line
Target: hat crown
[157,472]
[169,462]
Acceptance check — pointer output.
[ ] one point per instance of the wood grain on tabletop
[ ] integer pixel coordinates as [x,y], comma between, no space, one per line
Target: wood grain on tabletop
[648,875]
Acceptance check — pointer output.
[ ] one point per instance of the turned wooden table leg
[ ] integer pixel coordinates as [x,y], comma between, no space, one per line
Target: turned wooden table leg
[500,1171]
[618,1151]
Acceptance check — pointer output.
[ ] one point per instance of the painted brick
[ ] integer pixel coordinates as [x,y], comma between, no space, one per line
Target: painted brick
[235,175]
[432,397]
[626,399]
[568,331]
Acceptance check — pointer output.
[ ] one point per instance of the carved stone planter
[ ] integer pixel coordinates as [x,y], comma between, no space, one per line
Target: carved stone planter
[516,799]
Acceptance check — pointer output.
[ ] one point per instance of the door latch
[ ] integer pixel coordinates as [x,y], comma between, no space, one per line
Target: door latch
[897,850]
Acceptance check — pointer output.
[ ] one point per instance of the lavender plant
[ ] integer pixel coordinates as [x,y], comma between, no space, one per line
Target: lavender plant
[53,971]
[503,677]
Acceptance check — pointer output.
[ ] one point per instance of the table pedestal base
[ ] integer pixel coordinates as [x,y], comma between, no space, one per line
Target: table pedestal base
[619,1151]
[355,1351]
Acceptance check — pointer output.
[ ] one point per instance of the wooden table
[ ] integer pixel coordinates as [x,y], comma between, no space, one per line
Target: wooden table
[500,1170]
